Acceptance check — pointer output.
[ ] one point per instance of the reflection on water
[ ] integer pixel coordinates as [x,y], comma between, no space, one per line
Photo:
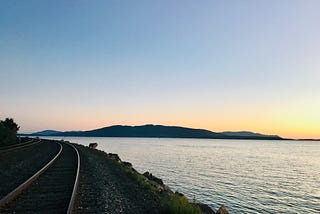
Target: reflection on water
[246,176]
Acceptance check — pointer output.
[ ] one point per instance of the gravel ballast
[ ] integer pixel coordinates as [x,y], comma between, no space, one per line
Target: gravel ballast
[17,166]
[105,187]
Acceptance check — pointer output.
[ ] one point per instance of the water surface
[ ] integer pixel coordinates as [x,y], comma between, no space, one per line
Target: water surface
[247,176]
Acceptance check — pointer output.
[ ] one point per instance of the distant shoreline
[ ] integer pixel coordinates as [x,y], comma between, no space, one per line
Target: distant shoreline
[235,138]
[158,131]
[282,139]
[161,131]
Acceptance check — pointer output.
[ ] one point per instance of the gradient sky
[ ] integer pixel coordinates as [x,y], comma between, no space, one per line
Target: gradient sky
[218,65]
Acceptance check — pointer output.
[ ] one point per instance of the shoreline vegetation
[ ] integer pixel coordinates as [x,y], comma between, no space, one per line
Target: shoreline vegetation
[8,132]
[166,201]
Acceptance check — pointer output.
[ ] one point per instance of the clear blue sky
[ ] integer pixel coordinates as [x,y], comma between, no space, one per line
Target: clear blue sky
[219,65]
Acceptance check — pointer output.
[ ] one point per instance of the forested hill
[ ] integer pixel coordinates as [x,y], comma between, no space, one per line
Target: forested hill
[157,131]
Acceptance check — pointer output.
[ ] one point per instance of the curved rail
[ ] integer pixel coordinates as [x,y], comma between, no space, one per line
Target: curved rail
[28,182]
[19,146]
[15,145]
[76,181]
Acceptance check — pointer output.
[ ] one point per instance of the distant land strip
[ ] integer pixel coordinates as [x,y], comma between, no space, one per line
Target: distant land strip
[157,131]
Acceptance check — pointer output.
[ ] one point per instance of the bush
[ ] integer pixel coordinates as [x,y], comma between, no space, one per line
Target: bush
[176,204]
[8,132]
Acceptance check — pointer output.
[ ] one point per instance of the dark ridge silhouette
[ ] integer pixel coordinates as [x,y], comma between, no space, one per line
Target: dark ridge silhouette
[247,134]
[157,131]
[46,132]
[308,139]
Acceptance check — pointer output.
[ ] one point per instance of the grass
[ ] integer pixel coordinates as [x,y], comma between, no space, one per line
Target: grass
[140,179]
[171,203]
[176,204]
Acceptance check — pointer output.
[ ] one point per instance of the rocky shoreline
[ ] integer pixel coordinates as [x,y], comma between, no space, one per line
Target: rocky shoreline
[110,185]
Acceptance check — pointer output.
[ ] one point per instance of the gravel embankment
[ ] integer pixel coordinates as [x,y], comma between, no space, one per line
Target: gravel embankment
[17,166]
[105,187]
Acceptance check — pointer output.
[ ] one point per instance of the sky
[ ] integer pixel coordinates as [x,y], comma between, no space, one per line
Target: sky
[217,65]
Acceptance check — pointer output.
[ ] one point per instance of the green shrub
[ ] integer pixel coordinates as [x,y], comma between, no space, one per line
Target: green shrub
[176,204]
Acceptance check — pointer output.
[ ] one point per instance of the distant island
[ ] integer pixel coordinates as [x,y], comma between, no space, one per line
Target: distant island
[157,131]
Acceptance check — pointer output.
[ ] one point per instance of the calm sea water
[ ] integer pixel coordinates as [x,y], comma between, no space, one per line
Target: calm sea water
[247,176]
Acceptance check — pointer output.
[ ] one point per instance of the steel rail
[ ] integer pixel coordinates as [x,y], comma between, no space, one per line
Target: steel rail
[23,145]
[76,181]
[9,197]
[15,145]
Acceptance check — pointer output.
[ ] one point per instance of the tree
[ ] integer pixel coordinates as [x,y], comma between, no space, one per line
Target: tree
[8,132]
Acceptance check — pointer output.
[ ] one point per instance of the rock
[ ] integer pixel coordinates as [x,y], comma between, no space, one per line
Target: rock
[178,193]
[222,210]
[114,157]
[127,164]
[205,208]
[153,178]
[93,145]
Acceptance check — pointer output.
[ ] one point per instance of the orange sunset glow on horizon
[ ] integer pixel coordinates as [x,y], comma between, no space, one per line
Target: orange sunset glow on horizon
[212,66]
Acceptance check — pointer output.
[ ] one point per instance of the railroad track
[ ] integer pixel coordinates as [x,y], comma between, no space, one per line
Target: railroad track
[50,190]
[19,146]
